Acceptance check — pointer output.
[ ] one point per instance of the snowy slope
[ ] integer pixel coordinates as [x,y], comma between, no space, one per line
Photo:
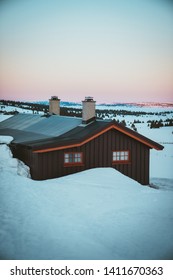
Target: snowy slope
[96,214]
[6,108]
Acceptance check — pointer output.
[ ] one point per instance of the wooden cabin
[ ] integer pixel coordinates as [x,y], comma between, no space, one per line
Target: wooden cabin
[54,145]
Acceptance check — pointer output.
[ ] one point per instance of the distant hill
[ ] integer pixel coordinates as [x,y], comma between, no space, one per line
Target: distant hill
[99,105]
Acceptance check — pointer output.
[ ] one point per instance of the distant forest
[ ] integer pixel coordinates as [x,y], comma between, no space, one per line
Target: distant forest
[77,112]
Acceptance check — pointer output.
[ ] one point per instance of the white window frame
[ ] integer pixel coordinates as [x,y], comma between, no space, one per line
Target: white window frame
[121,156]
[73,158]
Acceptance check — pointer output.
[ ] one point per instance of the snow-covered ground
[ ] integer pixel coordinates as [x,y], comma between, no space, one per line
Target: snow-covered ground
[95,214]
[6,108]
[161,162]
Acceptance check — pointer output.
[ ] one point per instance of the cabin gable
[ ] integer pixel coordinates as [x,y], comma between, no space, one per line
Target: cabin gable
[97,152]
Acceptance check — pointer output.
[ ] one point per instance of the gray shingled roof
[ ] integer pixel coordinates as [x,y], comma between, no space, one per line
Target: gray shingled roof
[22,136]
[24,127]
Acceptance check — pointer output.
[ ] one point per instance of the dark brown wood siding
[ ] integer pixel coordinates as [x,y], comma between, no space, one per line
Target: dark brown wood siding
[96,153]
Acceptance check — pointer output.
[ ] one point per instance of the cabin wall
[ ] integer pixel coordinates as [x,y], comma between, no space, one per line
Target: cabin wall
[96,153]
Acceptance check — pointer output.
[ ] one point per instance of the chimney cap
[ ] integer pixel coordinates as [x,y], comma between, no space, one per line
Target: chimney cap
[89,98]
[54,97]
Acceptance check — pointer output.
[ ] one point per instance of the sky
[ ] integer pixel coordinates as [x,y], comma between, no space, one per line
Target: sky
[112,50]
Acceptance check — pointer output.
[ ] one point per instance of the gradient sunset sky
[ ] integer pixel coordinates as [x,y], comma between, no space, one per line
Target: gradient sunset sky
[113,50]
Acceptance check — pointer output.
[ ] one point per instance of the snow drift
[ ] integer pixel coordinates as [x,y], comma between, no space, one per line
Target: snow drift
[8,163]
[95,214]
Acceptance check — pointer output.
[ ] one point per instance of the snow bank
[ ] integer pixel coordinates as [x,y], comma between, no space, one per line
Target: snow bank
[8,163]
[6,139]
[95,214]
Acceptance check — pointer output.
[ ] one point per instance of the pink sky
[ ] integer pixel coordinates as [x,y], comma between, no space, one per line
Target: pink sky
[110,50]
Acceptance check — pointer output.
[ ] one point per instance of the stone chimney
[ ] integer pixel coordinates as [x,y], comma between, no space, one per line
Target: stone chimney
[88,110]
[54,105]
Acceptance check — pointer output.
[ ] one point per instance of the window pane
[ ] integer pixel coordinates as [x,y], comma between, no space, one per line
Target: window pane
[120,156]
[114,156]
[66,158]
[72,157]
[80,158]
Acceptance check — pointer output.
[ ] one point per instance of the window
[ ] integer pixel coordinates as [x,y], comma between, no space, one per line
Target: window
[120,156]
[72,158]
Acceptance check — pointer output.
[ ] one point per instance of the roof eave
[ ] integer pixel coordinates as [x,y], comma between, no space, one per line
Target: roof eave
[76,143]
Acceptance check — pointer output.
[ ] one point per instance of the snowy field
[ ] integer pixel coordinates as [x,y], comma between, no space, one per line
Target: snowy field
[95,214]
[20,110]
